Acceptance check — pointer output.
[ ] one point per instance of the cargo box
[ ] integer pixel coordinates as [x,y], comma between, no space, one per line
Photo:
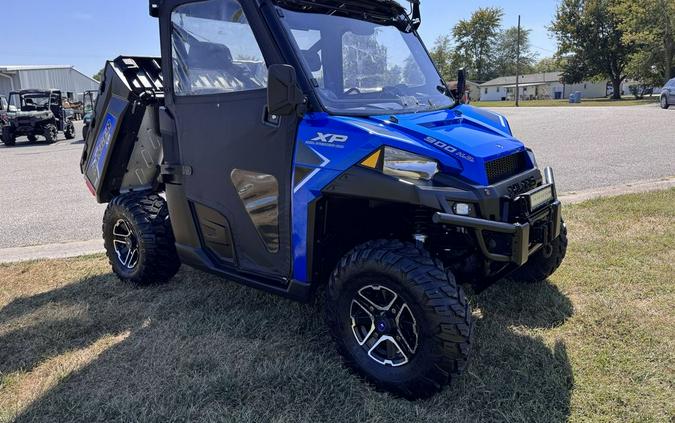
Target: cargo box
[123,149]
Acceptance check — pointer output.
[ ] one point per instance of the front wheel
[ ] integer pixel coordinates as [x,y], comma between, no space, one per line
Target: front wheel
[398,319]
[51,133]
[139,240]
[69,132]
[544,262]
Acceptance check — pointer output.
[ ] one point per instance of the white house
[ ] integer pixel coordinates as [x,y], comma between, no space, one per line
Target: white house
[538,86]
[61,77]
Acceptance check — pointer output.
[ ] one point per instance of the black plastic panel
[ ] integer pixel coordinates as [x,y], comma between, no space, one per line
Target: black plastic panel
[215,231]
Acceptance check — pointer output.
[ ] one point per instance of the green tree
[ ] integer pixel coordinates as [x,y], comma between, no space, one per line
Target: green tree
[445,57]
[550,64]
[590,31]
[99,75]
[507,52]
[651,25]
[365,61]
[476,39]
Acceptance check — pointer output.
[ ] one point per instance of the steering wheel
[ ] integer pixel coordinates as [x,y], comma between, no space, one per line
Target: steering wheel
[353,90]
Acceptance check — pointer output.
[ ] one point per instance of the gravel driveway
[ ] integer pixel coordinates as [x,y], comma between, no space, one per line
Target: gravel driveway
[43,198]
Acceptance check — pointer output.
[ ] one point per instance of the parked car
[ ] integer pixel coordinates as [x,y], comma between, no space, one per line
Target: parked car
[668,94]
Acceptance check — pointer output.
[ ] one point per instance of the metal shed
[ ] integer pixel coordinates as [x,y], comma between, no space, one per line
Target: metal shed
[61,77]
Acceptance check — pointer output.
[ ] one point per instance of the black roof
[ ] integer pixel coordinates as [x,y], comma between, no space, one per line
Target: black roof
[384,10]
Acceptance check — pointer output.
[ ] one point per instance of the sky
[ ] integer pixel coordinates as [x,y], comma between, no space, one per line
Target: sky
[89,32]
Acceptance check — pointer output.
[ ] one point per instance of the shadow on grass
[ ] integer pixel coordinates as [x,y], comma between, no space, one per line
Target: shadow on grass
[200,349]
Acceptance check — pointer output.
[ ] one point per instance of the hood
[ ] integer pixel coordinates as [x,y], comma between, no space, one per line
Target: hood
[465,135]
[475,132]
[464,140]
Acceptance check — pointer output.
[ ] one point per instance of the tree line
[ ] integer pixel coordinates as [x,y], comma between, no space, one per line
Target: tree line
[484,48]
[597,40]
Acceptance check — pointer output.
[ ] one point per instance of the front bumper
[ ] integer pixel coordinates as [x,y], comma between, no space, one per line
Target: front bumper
[539,227]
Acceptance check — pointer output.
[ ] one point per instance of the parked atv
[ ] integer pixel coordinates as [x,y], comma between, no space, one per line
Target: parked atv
[37,113]
[298,143]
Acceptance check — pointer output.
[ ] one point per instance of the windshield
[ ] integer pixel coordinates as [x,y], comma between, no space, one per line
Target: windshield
[29,102]
[361,67]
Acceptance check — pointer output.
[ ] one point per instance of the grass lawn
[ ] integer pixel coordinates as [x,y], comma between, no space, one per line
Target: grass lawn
[590,102]
[595,343]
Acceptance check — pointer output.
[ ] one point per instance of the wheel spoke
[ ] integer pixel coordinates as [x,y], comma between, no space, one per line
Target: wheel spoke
[121,225]
[127,257]
[395,348]
[133,259]
[410,344]
[378,289]
[355,324]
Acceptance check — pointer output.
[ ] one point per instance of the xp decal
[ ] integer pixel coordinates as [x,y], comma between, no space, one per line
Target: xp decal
[329,140]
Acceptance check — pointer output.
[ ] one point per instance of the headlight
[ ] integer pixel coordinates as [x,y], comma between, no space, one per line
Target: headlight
[405,165]
[540,197]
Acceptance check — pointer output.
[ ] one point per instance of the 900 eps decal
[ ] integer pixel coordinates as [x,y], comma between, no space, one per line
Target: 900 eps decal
[449,149]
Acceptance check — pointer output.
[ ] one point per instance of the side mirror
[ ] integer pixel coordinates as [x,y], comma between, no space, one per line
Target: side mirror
[284,96]
[461,85]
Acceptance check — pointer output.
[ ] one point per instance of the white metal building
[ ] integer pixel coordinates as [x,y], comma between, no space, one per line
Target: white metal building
[60,77]
[538,86]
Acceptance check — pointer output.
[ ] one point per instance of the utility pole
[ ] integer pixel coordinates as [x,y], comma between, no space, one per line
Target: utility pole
[518,67]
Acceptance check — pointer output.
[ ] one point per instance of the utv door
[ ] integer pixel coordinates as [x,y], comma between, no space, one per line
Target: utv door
[236,164]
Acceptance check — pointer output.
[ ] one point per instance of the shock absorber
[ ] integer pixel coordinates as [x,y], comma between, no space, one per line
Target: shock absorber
[421,219]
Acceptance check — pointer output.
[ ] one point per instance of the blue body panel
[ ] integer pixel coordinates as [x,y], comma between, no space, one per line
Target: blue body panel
[462,140]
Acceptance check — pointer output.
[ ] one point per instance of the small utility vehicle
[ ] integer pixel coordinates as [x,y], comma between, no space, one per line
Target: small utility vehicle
[303,142]
[37,113]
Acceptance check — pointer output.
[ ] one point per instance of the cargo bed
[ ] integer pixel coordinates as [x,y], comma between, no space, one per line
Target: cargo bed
[123,149]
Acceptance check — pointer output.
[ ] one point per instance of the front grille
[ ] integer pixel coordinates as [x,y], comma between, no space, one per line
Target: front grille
[506,167]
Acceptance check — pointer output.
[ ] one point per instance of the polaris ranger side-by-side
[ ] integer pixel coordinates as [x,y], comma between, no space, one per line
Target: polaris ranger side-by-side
[302,142]
[37,113]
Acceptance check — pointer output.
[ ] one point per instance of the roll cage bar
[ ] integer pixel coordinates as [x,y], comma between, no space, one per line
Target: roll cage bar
[378,11]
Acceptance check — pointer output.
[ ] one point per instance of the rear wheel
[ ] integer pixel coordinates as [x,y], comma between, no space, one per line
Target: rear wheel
[51,133]
[664,102]
[544,262]
[69,131]
[139,240]
[398,319]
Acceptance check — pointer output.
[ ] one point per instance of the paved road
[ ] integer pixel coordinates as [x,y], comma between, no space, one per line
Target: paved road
[43,198]
[594,147]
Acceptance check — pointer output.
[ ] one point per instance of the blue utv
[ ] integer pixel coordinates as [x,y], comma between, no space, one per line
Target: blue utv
[290,144]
